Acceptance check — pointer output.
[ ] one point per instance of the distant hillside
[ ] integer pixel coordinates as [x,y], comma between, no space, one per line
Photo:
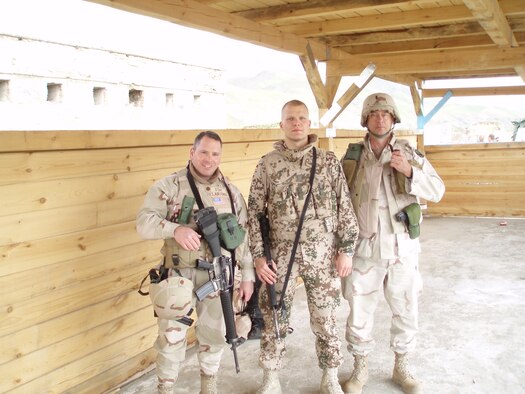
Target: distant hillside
[257,101]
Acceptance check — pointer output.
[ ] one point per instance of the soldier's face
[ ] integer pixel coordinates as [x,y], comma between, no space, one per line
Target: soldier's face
[206,157]
[296,124]
[379,122]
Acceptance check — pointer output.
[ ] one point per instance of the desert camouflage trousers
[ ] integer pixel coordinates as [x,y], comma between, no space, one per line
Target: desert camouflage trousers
[401,283]
[314,263]
[210,332]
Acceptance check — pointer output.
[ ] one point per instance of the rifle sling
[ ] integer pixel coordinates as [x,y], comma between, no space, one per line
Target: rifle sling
[299,227]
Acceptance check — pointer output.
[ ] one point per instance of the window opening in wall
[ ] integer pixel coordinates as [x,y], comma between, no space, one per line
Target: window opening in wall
[136,97]
[54,92]
[196,99]
[4,90]
[169,100]
[99,96]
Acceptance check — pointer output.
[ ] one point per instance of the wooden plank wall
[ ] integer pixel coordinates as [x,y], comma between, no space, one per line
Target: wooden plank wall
[71,320]
[480,179]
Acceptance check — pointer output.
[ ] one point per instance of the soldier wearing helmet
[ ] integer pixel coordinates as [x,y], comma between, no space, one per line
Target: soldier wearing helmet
[386,177]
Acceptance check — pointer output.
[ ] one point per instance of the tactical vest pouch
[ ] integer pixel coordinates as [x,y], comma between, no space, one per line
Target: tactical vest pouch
[230,232]
[350,161]
[185,209]
[413,212]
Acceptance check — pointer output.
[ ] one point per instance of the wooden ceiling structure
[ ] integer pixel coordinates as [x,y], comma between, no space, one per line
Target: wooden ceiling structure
[408,42]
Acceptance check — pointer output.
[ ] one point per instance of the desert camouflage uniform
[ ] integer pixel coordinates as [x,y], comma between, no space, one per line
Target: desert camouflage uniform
[158,219]
[281,181]
[385,255]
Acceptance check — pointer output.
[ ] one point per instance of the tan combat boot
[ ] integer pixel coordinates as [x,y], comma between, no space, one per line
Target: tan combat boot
[165,387]
[271,384]
[208,384]
[330,382]
[359,376]
[402,376]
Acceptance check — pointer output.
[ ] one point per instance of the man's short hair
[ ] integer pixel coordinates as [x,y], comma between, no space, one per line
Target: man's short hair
[208,133]
[294,103]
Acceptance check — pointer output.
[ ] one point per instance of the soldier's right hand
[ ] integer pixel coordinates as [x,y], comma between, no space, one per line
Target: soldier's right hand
[265,273]
[188,238]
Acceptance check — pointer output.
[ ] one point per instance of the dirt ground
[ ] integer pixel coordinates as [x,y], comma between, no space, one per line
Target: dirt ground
[472,318]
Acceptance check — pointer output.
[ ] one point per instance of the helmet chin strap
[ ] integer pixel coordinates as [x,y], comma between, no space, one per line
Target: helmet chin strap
[382,136]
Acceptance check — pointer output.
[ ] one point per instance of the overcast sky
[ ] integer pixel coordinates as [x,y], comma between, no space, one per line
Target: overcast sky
[85,23]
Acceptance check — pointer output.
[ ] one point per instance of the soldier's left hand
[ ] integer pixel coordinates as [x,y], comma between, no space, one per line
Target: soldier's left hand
[400,163]
[343,265]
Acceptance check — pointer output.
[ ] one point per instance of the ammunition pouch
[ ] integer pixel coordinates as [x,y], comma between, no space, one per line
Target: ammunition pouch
[413,213]
[230,232]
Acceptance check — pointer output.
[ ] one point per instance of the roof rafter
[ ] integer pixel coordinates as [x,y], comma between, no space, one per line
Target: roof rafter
[491,18]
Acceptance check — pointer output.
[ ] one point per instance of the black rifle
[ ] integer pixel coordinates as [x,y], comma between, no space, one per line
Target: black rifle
[220,272]
[264,224]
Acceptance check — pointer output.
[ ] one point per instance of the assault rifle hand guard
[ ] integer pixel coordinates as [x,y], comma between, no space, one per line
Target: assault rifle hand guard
[264,224]
[220,272]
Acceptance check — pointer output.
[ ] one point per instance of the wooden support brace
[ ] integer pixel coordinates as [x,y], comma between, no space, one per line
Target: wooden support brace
[335,110]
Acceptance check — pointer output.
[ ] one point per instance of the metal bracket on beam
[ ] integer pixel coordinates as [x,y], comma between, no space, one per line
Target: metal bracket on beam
[422,120]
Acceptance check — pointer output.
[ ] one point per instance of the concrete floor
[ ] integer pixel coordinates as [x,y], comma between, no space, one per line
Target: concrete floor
[472,319]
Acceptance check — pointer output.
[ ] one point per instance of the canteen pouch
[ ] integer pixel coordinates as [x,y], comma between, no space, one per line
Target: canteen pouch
[413,212]
[230,232]
[185,209]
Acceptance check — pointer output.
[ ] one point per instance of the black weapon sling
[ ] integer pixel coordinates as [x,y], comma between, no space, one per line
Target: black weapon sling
[299,228]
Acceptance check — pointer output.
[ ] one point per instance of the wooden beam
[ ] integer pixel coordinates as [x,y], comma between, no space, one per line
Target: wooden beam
[336,109]
[478,40]
[387,21]
[317,8]
[520,70]
[468,92]
[491,18]
[517,24]
[314,78]
[437,61]
[416,100]
[196,15]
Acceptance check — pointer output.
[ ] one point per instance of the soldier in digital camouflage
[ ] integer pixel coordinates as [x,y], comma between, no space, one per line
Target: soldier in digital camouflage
[280,185]
[161,217]
[386,178]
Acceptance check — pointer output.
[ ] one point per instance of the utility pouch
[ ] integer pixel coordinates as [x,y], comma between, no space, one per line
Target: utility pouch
[230,232]
[351,160]
[413,212]
[185,209]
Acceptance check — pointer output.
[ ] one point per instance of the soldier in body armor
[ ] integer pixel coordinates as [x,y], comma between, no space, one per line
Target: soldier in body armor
[280,187]
[386,178]
[166,214]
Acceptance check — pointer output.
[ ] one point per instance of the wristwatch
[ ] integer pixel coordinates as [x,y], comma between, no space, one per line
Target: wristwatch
[347,253]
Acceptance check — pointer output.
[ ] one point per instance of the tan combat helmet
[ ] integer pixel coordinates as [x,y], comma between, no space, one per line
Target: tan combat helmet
[379,102]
